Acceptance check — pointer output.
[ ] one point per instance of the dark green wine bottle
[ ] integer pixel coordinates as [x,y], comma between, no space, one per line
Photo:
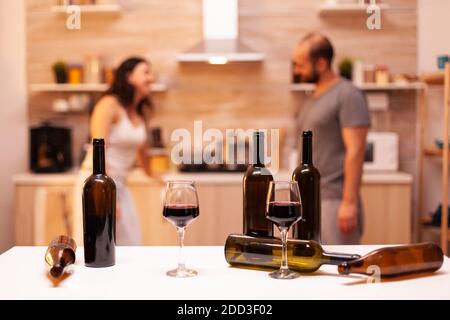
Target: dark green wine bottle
[99,213]
[265,253]
[308,179]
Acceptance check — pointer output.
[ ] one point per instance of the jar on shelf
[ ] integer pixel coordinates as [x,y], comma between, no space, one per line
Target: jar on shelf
[369,73]
[381,74]
[75,73]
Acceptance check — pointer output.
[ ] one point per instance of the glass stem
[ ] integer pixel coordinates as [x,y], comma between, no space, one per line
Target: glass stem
[181,265]
[284,262]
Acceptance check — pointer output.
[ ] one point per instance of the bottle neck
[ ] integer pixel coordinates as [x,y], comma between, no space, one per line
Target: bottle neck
[338,258]
[258,149]
[99,160]
[307,151]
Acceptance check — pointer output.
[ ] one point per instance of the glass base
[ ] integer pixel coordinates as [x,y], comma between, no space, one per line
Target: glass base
[182,273]
[284,274]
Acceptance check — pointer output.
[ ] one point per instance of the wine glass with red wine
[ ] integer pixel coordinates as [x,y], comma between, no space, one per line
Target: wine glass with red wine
[181,208]
[284,210]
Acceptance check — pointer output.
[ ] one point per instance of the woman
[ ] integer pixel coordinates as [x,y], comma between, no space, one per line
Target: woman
[120,118]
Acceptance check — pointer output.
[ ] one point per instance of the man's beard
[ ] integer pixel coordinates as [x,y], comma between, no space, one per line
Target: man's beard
[313,78]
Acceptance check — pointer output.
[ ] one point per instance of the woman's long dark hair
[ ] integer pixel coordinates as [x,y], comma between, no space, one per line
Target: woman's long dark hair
[124,91]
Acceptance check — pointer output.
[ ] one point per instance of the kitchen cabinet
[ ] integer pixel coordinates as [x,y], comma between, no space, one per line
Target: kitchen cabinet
[44,207]
[387,213]
[42,212]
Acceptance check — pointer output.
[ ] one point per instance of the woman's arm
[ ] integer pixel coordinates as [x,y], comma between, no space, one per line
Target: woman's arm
[144,159]
[104,115]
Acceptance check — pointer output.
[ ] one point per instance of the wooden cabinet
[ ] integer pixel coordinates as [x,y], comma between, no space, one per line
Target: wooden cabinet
[220,214]
[44,209]
[387,213]
[42,212]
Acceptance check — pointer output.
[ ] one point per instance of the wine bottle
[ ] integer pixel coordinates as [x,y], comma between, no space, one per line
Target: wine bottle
[265,253]
[308,179]
[255,186]
[99,213]
[60,254]
[398,260]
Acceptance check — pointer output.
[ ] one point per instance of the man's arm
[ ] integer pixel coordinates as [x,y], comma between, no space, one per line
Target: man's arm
[355,145]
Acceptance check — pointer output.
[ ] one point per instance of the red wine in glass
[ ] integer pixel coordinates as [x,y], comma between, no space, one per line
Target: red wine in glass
[180,215]
[284,213]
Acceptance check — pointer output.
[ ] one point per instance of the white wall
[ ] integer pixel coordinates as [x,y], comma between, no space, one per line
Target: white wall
[13,111]
[433,37]
[433,40]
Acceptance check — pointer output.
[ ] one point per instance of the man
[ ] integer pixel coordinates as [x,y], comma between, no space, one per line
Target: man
[338,116]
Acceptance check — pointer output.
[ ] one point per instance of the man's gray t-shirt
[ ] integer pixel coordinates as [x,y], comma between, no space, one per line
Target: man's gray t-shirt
[341,106]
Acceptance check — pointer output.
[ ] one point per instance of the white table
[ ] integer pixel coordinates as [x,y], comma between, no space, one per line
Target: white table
[139,273]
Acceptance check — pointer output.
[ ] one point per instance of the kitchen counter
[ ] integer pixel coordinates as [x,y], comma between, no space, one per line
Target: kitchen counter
[138,176]
[139,273]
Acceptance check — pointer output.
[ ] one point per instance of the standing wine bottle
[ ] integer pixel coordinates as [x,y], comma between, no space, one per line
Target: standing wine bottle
[398,260]
[265,253]
[308,179]
[60,254]
[256,184]
[99,213]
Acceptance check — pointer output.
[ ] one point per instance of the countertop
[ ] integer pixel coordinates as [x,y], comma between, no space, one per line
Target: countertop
[139,273]
[138,176]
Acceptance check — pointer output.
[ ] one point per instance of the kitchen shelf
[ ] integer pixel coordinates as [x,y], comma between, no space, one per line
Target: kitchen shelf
[83,87]
[369,87]
[347,9]
[434,78]
[442,78]
[113,9]
[432,152]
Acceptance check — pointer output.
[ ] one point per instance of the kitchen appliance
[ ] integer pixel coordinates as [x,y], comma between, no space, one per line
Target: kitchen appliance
[381,152]
[50,149]
[221,43]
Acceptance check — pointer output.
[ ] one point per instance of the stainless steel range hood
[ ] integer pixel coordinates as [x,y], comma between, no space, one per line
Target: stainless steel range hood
[221,42]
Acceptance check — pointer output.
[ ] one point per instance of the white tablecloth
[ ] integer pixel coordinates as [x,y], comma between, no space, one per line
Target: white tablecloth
[139,273]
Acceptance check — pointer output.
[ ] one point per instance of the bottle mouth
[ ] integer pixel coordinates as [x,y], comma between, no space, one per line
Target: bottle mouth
[98,142]
[343,268]
[307,134]
[56,271]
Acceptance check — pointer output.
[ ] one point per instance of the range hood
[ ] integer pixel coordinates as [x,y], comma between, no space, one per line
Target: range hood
[221,42]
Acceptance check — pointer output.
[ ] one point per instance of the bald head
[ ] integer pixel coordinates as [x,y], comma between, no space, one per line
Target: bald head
[319,47]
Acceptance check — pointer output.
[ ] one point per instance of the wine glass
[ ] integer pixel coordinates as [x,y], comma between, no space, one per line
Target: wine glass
[181,208]
[284,210]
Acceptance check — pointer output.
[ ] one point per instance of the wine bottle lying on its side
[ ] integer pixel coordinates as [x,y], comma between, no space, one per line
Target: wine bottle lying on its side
[397,260]
[262,253]
[60,254]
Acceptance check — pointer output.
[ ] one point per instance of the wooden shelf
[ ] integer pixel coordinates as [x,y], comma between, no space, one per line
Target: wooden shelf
[436,78]
[112,9]
[83,87]
[326,10]
[368,87]
[433,152]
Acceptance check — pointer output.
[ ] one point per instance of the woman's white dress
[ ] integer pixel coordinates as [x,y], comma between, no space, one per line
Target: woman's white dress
[120,155]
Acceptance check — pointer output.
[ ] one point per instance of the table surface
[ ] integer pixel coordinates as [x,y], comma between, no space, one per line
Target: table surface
[139,273]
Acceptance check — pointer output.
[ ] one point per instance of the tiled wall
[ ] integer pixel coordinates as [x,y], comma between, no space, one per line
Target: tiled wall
[237,95]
